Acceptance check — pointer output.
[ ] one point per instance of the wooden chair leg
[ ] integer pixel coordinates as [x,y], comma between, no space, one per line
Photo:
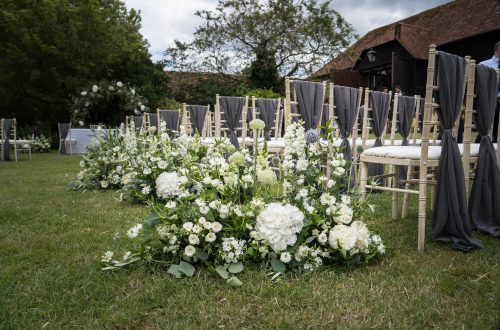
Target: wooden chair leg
[406,198]
[363,176]
[395,171]
[422,205]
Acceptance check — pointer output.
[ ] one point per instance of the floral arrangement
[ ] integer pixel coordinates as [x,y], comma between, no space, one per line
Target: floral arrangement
[40,144]
[103,91]
[223,208]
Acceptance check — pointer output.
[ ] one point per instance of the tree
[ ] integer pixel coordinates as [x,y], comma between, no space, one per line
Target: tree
[52,49]
[291,37]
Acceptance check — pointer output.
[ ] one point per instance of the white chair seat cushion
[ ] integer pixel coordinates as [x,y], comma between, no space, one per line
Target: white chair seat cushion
[402,152]
[276,144]
[413,152]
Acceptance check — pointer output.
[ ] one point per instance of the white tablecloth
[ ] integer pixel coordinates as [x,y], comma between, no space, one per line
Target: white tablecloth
[81,137]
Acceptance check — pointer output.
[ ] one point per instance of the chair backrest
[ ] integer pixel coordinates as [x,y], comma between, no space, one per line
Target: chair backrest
[430,119]
[278,115]
[291,100]
[224,111]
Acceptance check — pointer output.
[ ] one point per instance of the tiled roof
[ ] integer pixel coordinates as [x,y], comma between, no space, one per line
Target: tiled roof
[440,25]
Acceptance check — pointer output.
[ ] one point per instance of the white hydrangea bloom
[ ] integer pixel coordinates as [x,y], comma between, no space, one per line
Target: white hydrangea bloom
[168,184]
[344,214]
[279,224]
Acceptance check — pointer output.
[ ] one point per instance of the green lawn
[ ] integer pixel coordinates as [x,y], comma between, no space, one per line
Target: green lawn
[51,240]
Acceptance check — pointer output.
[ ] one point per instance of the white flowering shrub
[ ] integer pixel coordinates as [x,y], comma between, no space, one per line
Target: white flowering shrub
[223,208]
[129,100]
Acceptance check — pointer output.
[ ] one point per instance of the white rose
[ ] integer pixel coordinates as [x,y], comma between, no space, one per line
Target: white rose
[193,239]
[211,237]
[188,226]
[196,229]
[189,250]
[216,227]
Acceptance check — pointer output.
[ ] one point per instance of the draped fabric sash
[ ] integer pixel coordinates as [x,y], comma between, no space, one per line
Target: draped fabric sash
[137,122]
[450,218]
[153,119]
[171,119]
[406,112]
[197,114]
[346,100]
[267,110]
[63,131]
[232,107]
[484,203]
[380,103]
[310,100]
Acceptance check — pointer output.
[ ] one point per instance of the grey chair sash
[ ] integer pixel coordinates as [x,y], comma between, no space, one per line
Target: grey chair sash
[137,121]
[346,100]
[197,114]
[484,202]
[63,131]
[406,112]
[170,118]
[310,100]
[6,129]
[267,109]
[450,218]
[380,104]
[232,107]
[153,119]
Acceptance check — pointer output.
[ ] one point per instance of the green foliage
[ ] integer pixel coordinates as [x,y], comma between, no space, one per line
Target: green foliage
[289,37]
[259,93]
[263,70]
[169,104]
[204,89]
[52,49]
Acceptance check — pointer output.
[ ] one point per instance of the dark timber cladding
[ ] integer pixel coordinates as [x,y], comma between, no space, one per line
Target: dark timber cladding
[461,27]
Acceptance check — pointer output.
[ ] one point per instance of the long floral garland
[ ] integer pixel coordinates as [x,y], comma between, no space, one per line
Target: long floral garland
[215,206]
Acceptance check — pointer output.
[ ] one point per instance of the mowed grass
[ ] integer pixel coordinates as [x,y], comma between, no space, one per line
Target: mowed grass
[51,240]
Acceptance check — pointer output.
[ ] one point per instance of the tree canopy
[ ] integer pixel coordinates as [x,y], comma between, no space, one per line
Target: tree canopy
[270,38]
[51,49]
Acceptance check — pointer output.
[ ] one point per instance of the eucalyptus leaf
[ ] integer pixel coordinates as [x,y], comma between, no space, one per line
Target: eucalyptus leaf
[221,270]
[153,219]
[235,268]
[278,265]
[201,254]
[174,270]
[186,268]
[309,239]
[234,281]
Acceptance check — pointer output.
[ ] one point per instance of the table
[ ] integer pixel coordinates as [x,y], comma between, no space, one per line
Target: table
[79,138]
